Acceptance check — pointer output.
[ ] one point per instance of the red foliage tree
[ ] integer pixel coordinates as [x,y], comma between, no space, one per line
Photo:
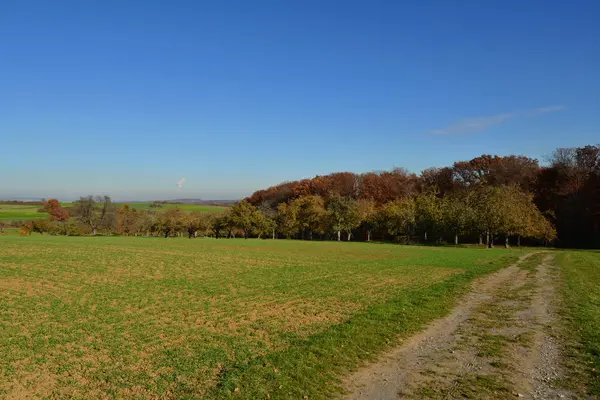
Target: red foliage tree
[56,211]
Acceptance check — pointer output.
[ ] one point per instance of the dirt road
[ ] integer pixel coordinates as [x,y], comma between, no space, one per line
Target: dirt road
[499,342]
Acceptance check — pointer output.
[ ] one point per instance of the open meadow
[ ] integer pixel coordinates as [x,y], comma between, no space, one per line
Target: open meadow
[91,317]
[13,212]
[24,212]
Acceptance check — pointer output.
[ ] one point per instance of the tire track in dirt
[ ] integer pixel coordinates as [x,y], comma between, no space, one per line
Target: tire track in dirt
[497,343]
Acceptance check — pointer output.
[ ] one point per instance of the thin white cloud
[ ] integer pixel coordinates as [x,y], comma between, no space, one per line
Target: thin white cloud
[480,124]
[544,110]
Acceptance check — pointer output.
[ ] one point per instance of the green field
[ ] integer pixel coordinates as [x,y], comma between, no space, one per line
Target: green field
[581,273]
[185,207]
[98,317]
[10,212]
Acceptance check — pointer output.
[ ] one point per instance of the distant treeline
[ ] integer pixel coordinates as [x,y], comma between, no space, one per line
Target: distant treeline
[22,203]
[488,199]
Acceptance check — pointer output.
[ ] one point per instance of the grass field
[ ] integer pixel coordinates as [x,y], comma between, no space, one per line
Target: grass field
[97,317]
[10,212]
[581,272]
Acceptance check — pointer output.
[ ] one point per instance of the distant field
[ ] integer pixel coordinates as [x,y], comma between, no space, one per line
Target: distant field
[9,212]
[119,317]
[23,212]
[186,207]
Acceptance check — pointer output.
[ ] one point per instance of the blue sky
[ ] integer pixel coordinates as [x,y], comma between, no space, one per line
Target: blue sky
[128,97]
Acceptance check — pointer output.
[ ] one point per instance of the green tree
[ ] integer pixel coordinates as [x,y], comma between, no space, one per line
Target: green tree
[286,219]
[217,223]
[267,223]
[428,214]
[310,215]
[368,215]
[398,216]
[244,216]
[458,212]
[344,215]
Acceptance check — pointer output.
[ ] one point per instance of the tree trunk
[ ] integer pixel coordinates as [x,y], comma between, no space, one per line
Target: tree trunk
[425,236]
[349,235]
[94,232]
[369,235]
[506,245]
[456,239]
[519,241]
[490,240]
[339,235]
[480,239]
[273,233]
[487,239]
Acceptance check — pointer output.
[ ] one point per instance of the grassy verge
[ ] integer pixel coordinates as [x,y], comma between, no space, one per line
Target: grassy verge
[581,291]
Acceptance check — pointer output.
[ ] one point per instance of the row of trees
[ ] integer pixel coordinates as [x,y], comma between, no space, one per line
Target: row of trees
[486,212]
[566,190]
[485,198]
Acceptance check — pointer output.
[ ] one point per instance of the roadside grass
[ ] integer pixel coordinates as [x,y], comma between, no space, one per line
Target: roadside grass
[581,293]
[97,317]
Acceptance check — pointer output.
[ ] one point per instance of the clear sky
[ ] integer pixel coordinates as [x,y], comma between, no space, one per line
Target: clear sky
[127,97]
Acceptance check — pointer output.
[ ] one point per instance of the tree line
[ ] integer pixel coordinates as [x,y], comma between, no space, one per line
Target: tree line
[488,212]
[565,192]
[486,200]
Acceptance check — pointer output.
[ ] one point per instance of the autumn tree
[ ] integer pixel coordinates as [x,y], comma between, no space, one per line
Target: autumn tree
[108,214]
[367,210]
[127,220]
[428,214]
[398,216]
[87,213]
[244,216]
[310,215]
[438,180]
[217,223]
[286,219]
[458,212]
[193,222]
[266,223]
[56,211]
[171,221]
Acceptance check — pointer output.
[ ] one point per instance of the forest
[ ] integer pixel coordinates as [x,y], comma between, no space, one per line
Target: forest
[487,200]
